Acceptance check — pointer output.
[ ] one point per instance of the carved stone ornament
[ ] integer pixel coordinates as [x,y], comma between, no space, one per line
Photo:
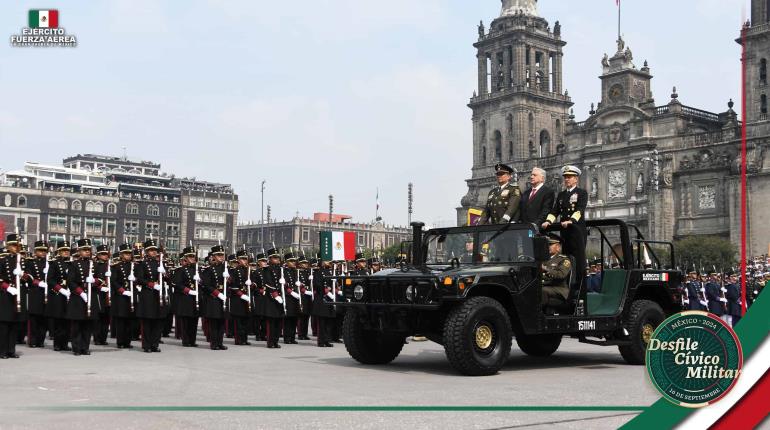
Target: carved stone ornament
[617,184]
[707,197]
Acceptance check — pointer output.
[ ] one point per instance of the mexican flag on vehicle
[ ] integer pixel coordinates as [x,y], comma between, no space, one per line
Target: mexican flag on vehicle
[338,245]
[48,18]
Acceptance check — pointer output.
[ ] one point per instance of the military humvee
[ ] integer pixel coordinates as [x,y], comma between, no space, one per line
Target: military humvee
[475,289]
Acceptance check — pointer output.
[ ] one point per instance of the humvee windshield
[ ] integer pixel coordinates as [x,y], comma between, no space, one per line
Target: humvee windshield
[491,246]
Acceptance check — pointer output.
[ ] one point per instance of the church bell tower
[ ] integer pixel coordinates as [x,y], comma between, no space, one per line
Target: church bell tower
[520,108]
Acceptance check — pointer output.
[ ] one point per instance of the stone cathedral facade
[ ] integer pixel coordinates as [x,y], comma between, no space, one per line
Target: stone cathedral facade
[671,169]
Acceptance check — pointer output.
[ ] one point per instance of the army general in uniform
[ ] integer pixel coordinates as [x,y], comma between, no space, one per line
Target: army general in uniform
[503,200]
[556,273]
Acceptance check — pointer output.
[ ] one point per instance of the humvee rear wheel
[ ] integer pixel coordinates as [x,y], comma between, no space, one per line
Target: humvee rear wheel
[542,345]
[643,318]
[477,336]
[369,346]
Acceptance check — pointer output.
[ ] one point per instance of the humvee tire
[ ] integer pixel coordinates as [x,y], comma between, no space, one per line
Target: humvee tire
[477,336]
[539,345]
[643,318]
[369,346]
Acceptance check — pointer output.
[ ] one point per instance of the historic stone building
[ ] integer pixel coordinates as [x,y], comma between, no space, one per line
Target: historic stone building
[671,169]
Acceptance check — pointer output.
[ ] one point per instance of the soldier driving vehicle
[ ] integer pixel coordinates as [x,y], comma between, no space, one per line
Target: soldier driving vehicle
[475,307]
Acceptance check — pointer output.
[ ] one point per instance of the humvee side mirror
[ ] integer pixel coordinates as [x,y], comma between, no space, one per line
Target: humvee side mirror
[540,248]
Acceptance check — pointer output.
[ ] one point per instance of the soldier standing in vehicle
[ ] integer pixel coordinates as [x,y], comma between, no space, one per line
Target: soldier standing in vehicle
[556,273]
[503,200]
[570,208]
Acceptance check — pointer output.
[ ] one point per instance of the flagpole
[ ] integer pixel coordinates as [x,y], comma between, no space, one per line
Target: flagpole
[618,19]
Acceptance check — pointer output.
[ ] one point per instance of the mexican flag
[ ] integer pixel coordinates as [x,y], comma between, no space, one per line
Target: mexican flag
[338,245]
[44,18]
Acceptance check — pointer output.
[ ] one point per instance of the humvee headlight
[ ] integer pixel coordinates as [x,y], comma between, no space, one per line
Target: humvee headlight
[358,292]
[448,281]
[466,281]
[409,291]
[348,282]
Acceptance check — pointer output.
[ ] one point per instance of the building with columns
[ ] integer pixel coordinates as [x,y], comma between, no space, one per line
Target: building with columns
[671,169]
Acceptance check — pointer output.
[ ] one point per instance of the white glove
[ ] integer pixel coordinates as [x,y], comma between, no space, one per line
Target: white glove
[248,282]
[192,293]
[222,297]
[226,275]
[127,293]
[506,218]
[13,291]
[197,278]
[108,274]
[90,280]
[65,292]
[17,272]
[297,283]
[161,270]
[330,295]
[282,281]
[157,287]
[132,278]
[245,298]
[723,300]
[104,289]
[84,296]
[279,299]
[42,284]
[339,292]
[295,295]
[308,293]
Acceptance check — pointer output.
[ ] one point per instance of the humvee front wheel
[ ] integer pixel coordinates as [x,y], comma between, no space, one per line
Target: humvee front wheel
[477,336]
[643,318]
[369,346]
[542,345]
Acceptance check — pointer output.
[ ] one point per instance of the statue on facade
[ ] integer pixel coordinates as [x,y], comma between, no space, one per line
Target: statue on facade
[640,183]
[513,7]
[594,187]
[606,61]
[481,29]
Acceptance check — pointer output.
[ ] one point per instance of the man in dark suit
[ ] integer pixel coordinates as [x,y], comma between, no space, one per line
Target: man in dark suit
[537,201]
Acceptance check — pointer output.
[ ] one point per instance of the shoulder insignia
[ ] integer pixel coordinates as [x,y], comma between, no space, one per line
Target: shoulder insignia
[566,263]
[517,191]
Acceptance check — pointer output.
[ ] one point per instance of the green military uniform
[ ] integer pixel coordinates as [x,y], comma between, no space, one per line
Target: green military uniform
[556,273]
[502,202]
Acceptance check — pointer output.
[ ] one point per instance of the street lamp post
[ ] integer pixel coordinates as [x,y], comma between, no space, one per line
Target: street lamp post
[262,224]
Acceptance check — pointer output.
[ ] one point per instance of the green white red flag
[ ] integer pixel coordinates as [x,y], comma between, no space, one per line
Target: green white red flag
[338,245]
[43,18]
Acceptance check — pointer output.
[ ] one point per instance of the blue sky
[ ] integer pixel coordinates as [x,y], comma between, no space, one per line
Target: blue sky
[319,97]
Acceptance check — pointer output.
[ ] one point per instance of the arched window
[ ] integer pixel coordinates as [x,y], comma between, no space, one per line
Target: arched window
[53,203]
[77,206]
[763,104]
[62,203]
[558,131]
[89,206]
[545,142]
[132,209]
[98,207]
[531,124]
[21,202]
[763,71]
[498,145]
[509,125]
[483,130]
[111,208]
[510,149]
[173,212]
[152,210]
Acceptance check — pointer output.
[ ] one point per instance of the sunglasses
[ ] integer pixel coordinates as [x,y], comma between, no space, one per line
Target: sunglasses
[501,173]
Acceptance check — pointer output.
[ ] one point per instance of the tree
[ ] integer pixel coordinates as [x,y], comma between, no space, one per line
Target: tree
[705,252]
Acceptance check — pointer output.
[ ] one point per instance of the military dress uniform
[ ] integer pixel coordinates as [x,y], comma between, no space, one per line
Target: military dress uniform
[323,308]
[103,271]
[239,299]
[570,205]
[734,304]
[58,297]
[292,297]
[556,273]
[187,283]
[85,304]
[37,324]
[153,301]
[694,294]
[213,288]
[503,202]
[306,301]
[124,297]
[259,298]
[10,314]
[274,302]
[714,297]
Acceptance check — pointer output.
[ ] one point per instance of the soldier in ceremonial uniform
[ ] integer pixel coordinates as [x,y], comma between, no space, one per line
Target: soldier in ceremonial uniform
[716,305]
[361,268]
[58,296]
[214,279]
[274,303]
[153,305]
[694,293]
[10,293]
[570,209]
[292,297]
[36,270]
[124,298]
[259,297]
[503,200]
[323,310]
[85,304]
[733,296]
[306,296]
[187,281]
[556,273]
[374,265]
[103,271]
[239,295]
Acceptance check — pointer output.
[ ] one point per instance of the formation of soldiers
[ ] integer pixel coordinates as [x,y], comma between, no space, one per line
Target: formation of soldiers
[720,293]
[140,294]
